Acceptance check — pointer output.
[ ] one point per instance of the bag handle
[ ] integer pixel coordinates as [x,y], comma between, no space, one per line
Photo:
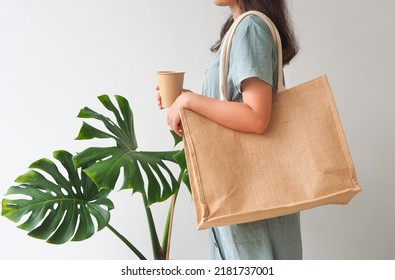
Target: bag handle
[227,43]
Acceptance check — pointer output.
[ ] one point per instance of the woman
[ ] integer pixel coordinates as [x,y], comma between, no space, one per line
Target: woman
[252,79]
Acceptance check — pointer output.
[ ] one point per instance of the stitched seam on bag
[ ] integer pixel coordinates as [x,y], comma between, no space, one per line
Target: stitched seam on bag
[279,211]
[340,131]
[196,170]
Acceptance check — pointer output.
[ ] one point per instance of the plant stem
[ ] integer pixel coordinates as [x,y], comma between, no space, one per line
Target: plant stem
[168,227]
[169,221]
[156,248]
[130,245]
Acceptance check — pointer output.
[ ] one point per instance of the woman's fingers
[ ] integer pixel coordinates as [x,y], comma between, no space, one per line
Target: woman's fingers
[174,118]
[159,101]
[158,98]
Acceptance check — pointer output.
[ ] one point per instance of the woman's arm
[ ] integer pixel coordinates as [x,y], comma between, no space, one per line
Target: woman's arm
[251,115]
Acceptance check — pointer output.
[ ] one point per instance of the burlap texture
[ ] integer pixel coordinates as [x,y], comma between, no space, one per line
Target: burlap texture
[301,161]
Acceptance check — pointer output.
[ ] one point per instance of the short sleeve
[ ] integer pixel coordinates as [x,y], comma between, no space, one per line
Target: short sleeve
[253,54]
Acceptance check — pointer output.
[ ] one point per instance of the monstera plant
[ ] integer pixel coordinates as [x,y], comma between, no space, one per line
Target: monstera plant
[72,204]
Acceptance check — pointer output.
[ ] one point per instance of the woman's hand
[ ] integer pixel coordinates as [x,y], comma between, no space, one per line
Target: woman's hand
[158,98]
[173,113]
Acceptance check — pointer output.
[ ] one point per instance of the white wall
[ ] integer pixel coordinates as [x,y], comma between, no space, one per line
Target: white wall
[56,56]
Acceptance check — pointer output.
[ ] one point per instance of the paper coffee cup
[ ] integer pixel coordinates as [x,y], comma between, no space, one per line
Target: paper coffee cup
[170,85]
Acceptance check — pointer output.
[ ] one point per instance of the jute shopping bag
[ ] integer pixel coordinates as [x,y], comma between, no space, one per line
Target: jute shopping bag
[300,162]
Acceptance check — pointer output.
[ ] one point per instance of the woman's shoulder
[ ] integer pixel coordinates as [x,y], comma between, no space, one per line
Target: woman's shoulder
[253,23]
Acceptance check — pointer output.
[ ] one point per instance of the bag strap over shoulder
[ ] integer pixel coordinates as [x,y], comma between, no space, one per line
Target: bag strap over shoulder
[227,43]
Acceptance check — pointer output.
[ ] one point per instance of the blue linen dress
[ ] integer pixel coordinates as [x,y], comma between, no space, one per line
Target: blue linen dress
[253,54]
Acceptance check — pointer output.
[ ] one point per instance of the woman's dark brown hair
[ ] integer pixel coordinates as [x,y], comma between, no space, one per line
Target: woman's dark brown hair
[277,11]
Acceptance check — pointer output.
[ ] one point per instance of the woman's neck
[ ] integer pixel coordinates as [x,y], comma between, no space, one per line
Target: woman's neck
[236,11]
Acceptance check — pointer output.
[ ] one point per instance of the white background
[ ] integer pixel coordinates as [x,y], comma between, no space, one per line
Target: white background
[56,56]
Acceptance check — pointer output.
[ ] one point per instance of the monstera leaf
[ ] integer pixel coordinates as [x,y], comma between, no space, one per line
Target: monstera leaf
[59,209]
[107,163]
